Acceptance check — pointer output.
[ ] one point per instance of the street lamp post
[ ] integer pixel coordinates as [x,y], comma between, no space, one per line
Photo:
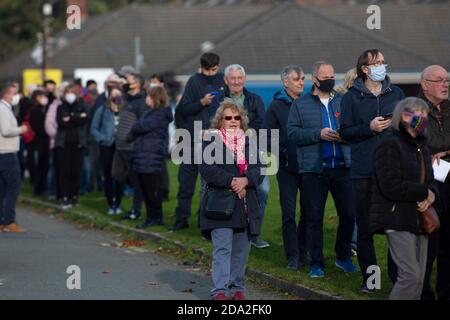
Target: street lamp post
[47,11]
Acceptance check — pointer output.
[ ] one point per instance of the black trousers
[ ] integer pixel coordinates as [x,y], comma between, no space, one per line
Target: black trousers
[69,162]
[439,247]
[113,188]
[151,190]
[41,169]
[364,242]
[315,189]
[294,235]
[165,184]
[187,177]
[30,162]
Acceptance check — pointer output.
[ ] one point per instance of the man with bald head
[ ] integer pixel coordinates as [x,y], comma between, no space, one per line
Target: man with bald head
[434,90]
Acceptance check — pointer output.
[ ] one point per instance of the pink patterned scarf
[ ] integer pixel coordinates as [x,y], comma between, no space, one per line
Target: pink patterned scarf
[235,141]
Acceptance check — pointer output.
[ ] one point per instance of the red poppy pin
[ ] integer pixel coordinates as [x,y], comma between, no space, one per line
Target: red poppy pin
[337,114]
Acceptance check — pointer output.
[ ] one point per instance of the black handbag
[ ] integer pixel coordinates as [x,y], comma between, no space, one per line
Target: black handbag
[429,218]
[220,203]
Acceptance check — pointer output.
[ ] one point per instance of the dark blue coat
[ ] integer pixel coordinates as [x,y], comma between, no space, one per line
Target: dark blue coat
[359,108]
[136,101]
[304,125]
[221,175]
[276,118]
[253,104]
[151,135]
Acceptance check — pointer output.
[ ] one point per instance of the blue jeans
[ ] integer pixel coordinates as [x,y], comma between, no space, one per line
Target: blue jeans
[294,238]
[229,260]
[263,193]
[315,188]
[10,184]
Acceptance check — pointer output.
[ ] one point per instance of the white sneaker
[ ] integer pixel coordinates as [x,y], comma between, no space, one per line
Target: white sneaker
[118,211]
[66,204]
[111,211]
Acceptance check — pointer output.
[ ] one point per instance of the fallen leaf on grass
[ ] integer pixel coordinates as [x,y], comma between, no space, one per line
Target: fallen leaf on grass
[133,243]
[187,290]
[107,271]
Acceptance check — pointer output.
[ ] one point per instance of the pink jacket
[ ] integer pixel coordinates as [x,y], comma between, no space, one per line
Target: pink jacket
[51,124]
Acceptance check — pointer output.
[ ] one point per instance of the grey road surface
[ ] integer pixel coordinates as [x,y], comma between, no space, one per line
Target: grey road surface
[34,265]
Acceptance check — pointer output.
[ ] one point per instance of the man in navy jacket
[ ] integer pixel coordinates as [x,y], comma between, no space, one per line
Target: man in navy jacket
[195,105]
[324,163]
[293,80]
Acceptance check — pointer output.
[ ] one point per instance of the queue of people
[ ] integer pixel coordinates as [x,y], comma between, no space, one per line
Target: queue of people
[364,142]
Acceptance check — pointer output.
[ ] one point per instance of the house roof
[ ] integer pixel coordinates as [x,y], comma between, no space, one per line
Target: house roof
[304,34]
[263,38]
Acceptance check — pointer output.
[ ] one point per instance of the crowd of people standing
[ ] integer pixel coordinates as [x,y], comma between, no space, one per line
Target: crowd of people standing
[364,142]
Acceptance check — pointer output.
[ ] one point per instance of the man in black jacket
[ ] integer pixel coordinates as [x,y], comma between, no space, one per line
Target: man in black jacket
[195,105]
[434,90]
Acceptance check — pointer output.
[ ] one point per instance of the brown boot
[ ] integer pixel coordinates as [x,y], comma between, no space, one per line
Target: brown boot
[13,228]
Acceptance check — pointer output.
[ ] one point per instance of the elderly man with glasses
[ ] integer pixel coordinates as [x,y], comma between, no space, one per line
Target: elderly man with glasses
[434,85]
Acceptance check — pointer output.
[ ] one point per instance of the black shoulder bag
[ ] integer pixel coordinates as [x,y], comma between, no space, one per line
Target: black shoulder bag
[220,203]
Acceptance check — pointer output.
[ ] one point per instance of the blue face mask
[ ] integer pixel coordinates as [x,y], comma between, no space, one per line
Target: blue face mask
[377,74]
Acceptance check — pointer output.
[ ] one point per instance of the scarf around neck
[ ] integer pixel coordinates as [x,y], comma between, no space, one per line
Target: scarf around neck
[235,142]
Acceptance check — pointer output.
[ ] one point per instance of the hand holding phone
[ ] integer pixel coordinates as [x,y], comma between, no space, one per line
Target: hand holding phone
[387,116]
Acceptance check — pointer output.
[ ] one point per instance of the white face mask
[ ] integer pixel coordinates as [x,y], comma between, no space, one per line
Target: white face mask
[70,97]
[15,99]
[44,101]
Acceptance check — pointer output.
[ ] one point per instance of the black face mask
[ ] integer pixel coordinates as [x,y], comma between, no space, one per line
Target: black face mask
[326,85]
[126,88]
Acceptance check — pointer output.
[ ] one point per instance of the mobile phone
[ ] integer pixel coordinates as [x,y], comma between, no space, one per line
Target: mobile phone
[214,93]
[387,116]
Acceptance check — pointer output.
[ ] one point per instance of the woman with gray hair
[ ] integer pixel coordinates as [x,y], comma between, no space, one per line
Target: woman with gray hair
[229,210]
[401,192]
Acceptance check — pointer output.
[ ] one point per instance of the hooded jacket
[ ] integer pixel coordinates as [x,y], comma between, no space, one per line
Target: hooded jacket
[276,118]
[150,135]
